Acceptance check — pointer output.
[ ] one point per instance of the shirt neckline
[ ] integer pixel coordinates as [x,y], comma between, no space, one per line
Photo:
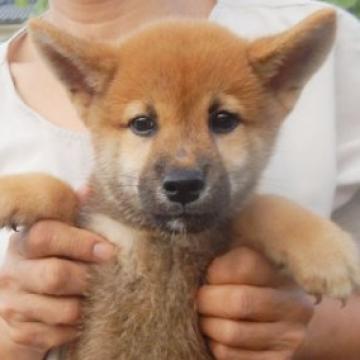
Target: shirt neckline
[25,108]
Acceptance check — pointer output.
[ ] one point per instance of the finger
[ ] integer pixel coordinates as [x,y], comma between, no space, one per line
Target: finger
[41,336]
[242,266]
[252,303]
[51,276]
[40,308]
[223,352]
[253,335]
[52,238]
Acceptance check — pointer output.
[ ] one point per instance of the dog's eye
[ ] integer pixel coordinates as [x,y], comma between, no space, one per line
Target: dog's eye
[222,122]
[143,125]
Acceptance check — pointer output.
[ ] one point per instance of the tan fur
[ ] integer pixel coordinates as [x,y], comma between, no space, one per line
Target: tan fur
[177,72]
[321,257]
[24,200]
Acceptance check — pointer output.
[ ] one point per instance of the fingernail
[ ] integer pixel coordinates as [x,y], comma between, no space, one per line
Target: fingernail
[103,251]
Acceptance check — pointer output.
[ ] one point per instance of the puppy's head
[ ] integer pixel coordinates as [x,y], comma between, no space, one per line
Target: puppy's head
[184,114]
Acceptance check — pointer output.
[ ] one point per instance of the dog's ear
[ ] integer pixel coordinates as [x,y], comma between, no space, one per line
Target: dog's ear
[84,67]
[286,61]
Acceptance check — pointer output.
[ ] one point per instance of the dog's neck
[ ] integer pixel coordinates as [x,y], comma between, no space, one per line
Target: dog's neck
[148,293]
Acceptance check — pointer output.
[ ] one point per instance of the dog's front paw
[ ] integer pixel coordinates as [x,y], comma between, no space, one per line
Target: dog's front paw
[15,216]
[323,259]
[11,218]
[330,266]
[27,198]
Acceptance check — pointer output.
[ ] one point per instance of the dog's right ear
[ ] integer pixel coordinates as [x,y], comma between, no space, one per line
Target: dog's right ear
[84,67]
[285,62]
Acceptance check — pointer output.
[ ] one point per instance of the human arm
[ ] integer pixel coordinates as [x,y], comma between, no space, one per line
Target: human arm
[333,332]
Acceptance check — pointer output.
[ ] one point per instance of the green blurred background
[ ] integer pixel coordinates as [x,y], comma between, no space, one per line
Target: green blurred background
[351,5]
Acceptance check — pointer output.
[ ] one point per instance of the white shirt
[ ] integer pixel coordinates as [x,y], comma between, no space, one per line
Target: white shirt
[317,158]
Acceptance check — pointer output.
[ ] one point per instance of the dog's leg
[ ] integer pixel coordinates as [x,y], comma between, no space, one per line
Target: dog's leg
[322,258]
[25,199]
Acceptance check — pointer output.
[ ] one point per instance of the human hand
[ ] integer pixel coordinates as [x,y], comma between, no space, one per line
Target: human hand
[42,282]
[251,312]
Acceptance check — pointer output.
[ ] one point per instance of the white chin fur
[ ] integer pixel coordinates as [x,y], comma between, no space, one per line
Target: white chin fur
[176,225]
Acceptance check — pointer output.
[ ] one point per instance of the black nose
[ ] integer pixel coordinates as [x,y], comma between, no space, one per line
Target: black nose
[183,186]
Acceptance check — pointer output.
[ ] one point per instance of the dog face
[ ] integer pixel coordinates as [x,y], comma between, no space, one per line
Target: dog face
[184,115]
[180,132]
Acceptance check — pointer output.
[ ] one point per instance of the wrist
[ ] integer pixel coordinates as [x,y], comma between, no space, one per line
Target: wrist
[331,318]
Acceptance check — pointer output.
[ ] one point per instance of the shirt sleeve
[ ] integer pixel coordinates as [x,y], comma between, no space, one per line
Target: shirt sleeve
[347,87]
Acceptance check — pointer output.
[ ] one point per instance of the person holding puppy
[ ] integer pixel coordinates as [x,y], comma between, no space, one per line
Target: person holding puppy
[45,269]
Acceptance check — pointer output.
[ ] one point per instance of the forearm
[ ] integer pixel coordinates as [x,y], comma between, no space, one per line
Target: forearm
[333,332]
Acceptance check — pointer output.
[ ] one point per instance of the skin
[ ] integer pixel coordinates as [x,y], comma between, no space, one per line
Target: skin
[36,281]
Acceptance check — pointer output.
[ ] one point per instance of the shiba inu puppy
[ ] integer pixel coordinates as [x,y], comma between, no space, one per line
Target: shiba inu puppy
[183,117]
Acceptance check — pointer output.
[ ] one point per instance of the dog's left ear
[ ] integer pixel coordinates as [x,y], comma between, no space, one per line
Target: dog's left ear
[84,67]
[285,62]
